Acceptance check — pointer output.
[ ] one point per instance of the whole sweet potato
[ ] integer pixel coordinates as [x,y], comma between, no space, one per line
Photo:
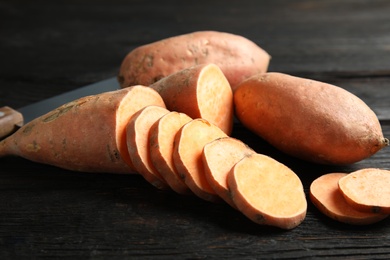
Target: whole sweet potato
[237,56]
[312,120]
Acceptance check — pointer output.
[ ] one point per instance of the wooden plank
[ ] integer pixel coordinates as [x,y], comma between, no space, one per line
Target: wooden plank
[51,47]
[302,36]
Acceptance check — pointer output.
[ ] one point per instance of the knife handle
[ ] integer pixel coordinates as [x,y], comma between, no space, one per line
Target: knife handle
[10,121]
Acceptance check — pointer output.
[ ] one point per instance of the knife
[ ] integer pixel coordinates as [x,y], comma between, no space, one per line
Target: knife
[11,119]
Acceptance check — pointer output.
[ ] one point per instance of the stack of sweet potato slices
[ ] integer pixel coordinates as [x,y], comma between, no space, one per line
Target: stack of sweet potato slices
[358,198]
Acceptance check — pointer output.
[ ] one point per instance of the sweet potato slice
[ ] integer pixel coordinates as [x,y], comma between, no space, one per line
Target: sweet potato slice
[219,157]
[201,91]
[187,155]
[137,136]
[326,196]
[367,190]
[161,140]
[267,192]
[87,134]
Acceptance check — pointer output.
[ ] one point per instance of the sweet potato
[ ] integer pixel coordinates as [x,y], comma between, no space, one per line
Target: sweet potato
[187,155]
[137,136]
[326,196]
[161,140]
[201,91]
[367,190]
[308,119]
[267,192]
[237,56]
[87,134]
[219,157]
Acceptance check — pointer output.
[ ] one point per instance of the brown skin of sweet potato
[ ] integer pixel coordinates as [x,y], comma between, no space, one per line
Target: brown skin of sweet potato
[237,56]
[200,91]
[87,134]
[308,119]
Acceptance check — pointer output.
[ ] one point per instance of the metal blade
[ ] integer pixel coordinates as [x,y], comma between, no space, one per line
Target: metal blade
[37,109]
[11,119]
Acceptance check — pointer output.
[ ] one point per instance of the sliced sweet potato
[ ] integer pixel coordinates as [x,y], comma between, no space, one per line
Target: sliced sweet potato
[309,119]
[267,192]
[327,197]
[87,134]
[237,56]
[187,155]
[201,91]
[219,157]
[137,136]
[161,140]
[367,190]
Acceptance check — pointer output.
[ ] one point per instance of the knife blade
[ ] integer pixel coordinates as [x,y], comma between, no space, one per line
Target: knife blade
[12,119]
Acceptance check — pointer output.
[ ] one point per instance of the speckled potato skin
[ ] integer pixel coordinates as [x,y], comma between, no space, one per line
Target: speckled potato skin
[87,134]
[237,56]
[308,119]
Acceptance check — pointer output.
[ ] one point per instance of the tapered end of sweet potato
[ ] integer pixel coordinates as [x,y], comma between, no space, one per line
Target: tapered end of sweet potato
[7,147]
[87,134]
[308,119]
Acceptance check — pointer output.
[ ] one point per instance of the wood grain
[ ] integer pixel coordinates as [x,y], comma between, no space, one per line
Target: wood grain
[48,47]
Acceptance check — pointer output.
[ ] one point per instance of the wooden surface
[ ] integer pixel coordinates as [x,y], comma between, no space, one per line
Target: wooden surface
[50,47]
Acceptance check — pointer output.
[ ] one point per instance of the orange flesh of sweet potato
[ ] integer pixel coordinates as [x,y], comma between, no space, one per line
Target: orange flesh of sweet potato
[200,91]
[327,197]
[187,156]
[367,190]
[238,57]
[309,119]
[219,157]
[267,192]
[141,97]
[161,140]
[87,134]
[137,136]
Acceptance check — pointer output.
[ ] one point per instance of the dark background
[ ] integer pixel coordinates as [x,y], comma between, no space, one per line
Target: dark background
[50,47]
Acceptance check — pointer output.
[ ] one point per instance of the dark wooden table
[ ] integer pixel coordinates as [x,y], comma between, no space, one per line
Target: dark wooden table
[50,47]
